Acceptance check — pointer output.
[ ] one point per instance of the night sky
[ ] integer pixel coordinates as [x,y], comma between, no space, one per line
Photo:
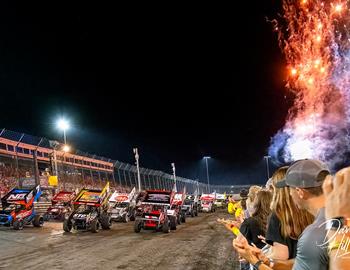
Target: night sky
[178,82]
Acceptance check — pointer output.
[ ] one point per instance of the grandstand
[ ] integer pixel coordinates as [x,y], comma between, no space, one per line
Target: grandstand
[25,158]
[22,155]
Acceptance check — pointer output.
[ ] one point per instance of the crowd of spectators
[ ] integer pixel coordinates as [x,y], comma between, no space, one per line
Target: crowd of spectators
[298,221]
[11,177]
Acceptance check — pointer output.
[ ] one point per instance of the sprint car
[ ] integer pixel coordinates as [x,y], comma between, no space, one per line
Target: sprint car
[18,208]
[152,211]
[207,203]
[175,213]
[190,205]
[89,211]
[122,206]
[220,200]
[61,205]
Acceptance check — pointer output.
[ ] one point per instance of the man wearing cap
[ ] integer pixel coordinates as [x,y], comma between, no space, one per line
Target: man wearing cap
[305,179]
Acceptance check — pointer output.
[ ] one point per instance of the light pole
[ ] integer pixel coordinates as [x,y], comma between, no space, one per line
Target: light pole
[138,168]
[63,125]
[174,174]
[54,145]
[267,166]
[206,163]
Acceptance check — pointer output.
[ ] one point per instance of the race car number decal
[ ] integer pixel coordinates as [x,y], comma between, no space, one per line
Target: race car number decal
[79,216]
[16,197]
[178,197]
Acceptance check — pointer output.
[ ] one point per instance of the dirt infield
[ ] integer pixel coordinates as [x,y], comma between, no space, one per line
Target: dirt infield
[200,243]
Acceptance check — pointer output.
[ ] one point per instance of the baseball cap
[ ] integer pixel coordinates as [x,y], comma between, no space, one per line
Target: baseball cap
[243,193]
[303,174]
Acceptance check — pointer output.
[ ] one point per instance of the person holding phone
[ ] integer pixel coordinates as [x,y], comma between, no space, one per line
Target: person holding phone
[305,179]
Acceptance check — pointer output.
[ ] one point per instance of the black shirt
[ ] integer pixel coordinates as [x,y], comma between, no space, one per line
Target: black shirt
[273,234]
[250,229]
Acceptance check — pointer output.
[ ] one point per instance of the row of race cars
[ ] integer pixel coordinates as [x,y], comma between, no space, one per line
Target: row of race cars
[93,210]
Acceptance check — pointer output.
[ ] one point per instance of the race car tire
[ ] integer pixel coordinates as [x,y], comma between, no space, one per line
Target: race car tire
[95,226]
[172,223]
[183,218]
[165,227]
[126,218]
[46,217]
[137,226]
[38,221]
[62,217]
[18,225]
[67,225]
[106,222]
[132,216]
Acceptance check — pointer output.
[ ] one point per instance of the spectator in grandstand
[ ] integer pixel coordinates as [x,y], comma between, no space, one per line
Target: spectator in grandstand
[286,222]
[337,192]
[305,179]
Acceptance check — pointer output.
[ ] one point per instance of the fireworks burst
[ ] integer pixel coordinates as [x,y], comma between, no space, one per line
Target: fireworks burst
[315,40]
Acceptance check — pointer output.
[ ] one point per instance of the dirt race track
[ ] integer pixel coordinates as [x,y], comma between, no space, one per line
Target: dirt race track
[201,243]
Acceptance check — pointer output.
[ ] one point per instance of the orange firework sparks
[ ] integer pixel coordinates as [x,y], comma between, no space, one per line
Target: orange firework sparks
[316,43]
[338,8]
[293,71]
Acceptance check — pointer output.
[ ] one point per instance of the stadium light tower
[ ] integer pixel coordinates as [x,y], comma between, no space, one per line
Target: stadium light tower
[138,167]
[174,174]
[206,163]
[63,124]
[267,166]
[66,148]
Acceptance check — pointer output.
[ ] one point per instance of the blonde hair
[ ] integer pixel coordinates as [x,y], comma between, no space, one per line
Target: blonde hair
[253,190]
[293,220]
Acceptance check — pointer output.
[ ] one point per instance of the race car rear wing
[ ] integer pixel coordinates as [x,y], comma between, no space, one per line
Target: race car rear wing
[192,198]
[179,197]
[21,196]
[208,197]
[158,197]
[92,197]
[220,196]
[63,197]
[123,197]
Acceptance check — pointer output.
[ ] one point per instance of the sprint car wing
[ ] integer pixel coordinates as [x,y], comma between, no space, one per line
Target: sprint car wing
[93,197]
[158,197]
[63,196]
[21,196]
